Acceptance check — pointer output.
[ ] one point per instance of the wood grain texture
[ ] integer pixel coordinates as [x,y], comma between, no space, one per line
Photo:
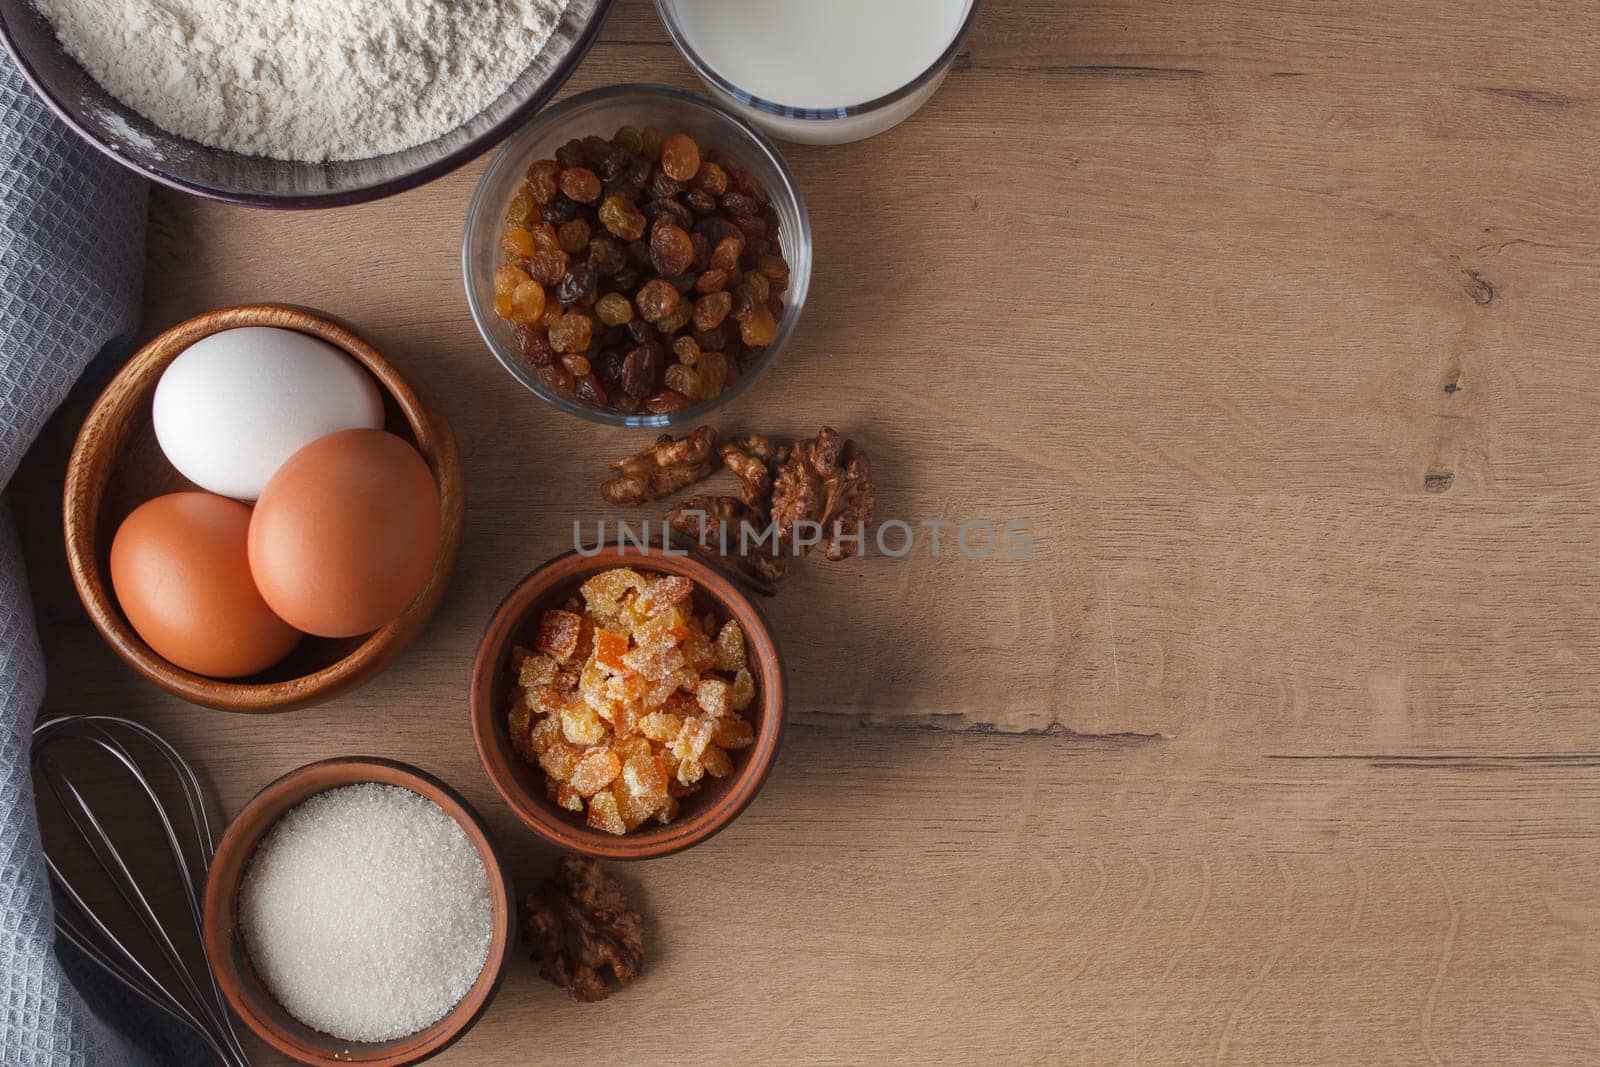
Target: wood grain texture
[1277,323]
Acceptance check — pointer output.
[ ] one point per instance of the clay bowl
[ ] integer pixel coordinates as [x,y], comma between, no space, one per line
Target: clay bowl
[230,963]
[116,465]
[521,784]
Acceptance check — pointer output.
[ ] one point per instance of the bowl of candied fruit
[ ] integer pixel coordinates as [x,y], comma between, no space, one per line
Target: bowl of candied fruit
[627,703]
[637,255]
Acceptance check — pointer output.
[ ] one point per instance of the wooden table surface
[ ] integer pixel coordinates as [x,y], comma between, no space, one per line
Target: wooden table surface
[1279,324]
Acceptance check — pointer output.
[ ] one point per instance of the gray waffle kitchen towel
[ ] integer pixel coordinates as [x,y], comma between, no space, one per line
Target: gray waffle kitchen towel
[71,258]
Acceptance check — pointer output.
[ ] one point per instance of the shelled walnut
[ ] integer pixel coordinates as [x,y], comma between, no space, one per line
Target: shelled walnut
[828,482]
[666,467]
[579,925]
[712,524]
[792,497]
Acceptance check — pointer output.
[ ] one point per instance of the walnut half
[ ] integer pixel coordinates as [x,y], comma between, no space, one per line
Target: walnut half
[663,469]
[828,482]
[579,925]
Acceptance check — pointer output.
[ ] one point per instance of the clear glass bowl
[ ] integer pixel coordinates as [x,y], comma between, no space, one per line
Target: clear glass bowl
[601,112]
[833,125]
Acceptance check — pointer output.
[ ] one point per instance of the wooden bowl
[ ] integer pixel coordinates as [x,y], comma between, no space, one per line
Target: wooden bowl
[230,963]
[521,784]
[117,465]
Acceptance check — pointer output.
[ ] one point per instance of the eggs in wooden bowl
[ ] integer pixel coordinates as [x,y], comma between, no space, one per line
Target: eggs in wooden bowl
[261,511]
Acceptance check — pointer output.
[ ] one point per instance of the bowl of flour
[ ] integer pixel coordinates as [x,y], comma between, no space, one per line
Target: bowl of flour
[297,103]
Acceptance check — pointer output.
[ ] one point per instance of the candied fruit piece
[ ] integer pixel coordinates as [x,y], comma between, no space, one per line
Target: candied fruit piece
[558,760]
[518,722]
[698,652]
[644,776]
[733,733]
[730,646]
[665,592]
[668,813]
[636,807]
[558,634]
[690,771]
[743,691]
[609,648]
[716,762]
[567,797]
[693,738]
[545,732]
[664,628]
[712,695]
[627,748]
[537,670]
[654,662]
[604,814]
[581,724]
[545,698]
[604,592]
[661,726]
[595,769]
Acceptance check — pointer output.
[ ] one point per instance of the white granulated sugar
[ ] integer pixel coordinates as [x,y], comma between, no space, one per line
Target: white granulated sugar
[366,912]
[312,80]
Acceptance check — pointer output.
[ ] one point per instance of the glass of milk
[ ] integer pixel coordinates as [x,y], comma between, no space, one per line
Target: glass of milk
[821,71]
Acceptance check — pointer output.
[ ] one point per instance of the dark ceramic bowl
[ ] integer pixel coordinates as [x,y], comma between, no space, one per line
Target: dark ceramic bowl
[521,784]
[134,141]
[248,995]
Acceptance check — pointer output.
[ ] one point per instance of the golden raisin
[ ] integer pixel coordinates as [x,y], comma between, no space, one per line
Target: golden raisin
[711,179]
[759,329]
[517,243]
[544,235]
[574,237]
[541,180]
[680,157]
[521,207]
[681,379]
[622,218]
[527,303]
[657,299]
[671,250]
[726,255]
[666,402]
[687,350]
[712,281]
[581,184]
[613,309]
[576,365]
[507,277]
[711,309]
[571,332]
[549,266]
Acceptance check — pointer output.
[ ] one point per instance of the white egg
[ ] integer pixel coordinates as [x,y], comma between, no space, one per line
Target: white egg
[233,406]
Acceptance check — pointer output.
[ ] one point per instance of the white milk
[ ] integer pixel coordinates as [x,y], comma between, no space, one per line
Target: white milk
[822,55]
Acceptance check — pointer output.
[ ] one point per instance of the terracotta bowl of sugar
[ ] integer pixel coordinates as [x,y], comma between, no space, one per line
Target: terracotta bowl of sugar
[358,897]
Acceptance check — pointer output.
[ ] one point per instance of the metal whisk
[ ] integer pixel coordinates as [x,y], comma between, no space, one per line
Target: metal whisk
[198,1003]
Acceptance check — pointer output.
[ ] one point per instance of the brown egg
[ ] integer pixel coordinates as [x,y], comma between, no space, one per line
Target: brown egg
[345,534]
[181,572]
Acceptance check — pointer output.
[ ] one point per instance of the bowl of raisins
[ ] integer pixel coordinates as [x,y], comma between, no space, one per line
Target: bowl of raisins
[637,255]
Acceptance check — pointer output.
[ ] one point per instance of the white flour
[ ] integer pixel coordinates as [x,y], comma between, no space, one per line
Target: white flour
[311,80]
